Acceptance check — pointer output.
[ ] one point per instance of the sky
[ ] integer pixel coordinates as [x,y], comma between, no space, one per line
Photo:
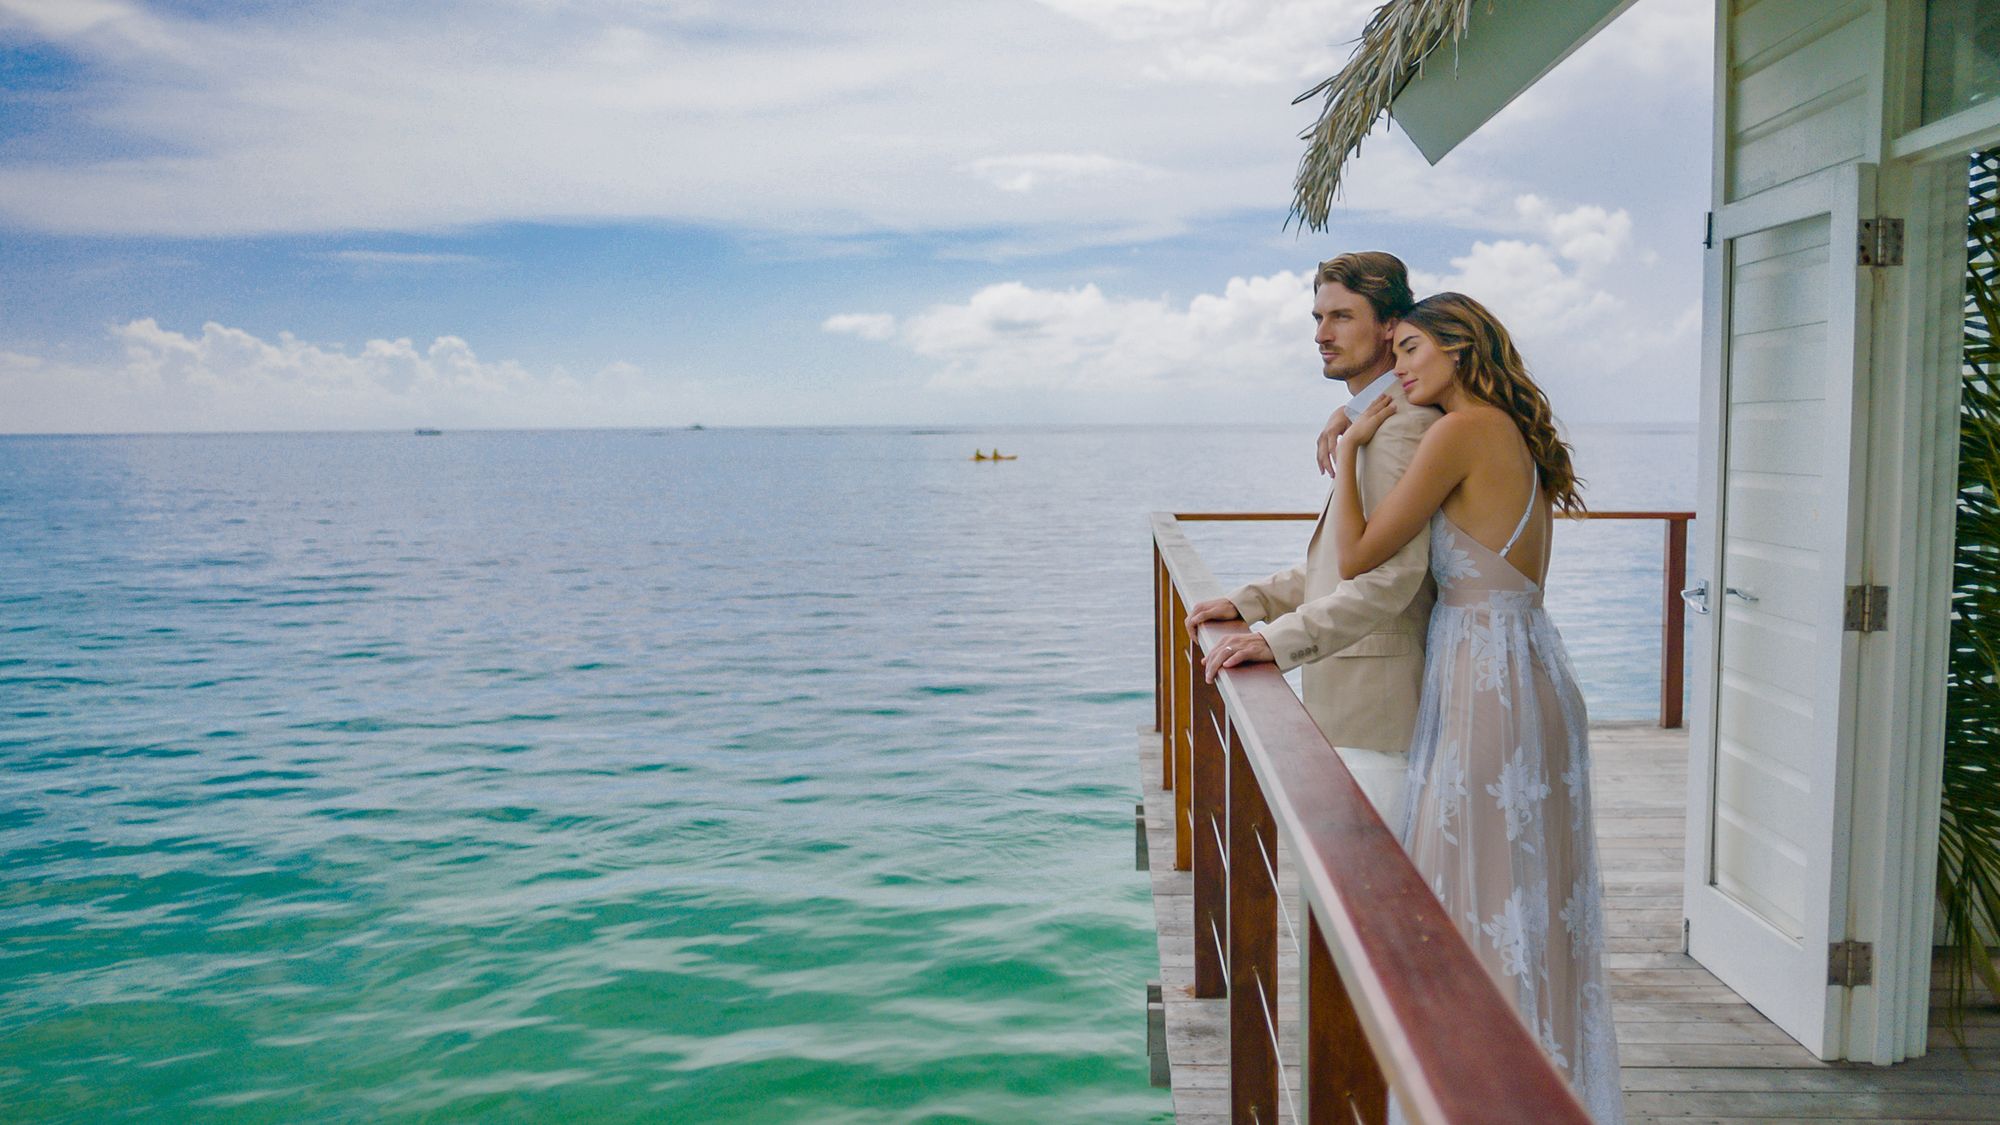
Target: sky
[223,215]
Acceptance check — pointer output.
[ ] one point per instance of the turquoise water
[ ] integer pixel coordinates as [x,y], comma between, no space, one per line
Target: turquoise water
[614,776]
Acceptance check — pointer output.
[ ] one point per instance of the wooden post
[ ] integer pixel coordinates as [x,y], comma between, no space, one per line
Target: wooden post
[1673,625]
[1253,947]
[1181,722]
[1159,611]
[1163,666]
[1208,781]
[1343,1082]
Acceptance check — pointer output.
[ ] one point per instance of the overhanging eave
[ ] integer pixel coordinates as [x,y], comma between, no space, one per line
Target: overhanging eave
[1507,47]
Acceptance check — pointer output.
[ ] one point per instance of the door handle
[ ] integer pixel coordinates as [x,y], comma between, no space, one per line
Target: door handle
[1748,598]
[1696,596]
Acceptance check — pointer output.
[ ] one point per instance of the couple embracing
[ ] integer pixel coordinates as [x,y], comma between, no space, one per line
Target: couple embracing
[1430,664]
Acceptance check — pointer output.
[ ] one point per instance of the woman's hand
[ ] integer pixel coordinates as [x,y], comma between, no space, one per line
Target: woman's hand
[1329,438]
[1371,420]
[1243,648]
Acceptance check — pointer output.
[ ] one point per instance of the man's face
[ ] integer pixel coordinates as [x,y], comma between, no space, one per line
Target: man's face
[1351,341]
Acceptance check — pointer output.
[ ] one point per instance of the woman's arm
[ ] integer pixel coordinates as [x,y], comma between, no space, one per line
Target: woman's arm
[1365,543]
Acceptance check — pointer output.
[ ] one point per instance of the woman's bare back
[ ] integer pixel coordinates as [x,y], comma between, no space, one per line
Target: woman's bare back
[1488,503]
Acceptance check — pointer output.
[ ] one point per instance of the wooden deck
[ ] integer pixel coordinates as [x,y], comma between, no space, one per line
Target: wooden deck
[1692,1050]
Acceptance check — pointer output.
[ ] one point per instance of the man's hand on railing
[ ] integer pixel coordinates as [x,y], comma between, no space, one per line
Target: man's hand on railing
[1244,648]
[1214,609]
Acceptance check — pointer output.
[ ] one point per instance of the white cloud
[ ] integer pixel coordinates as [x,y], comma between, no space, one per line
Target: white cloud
[1672,40]
[1600,354]
[112,24]
[994,131]
[1234,42]
[868,326]
[834,119]
[398,258]
[1390,178]
[224,378]
[1032,170]
[1257,331]
[1551,282]
[1098,121]
[1588,234]
[1525,286]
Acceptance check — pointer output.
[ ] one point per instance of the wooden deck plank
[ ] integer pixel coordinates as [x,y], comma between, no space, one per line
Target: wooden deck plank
[1693,1051]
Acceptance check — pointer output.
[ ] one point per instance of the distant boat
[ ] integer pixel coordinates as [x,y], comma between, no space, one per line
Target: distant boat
[697,426]
[424,432]
[996,455]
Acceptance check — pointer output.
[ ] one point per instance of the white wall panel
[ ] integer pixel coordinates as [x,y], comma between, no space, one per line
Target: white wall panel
[1798,91]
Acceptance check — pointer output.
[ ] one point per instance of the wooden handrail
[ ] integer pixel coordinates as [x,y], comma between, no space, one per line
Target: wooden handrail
[1394,997]
[1673,575]
[1252,517]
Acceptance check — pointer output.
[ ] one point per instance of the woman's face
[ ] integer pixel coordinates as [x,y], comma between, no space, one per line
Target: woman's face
[1424,369]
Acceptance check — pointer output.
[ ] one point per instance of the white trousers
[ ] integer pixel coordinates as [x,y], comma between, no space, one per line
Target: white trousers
[1381,777]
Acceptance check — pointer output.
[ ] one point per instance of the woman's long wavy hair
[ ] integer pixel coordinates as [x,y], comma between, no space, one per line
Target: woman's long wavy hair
[1489,368]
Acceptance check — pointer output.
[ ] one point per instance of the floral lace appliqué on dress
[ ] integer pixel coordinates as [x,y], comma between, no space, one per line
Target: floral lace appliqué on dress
[1497,810]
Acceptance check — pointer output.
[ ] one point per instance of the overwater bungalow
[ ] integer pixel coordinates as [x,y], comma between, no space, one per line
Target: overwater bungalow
[1784,939]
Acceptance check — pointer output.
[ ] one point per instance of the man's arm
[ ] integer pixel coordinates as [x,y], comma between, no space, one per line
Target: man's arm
[1259,601]
[1325,625]
[1275,596]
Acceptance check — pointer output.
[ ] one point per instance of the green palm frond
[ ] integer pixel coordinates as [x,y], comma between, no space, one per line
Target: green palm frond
[1969,828]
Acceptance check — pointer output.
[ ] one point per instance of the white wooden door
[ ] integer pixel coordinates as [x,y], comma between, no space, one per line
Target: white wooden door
[1786,322]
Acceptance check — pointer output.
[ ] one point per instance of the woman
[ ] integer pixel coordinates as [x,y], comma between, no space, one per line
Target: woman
[1497,808]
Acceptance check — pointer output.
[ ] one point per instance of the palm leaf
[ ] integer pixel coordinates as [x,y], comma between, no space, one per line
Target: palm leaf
[1399,38]
[1969,826]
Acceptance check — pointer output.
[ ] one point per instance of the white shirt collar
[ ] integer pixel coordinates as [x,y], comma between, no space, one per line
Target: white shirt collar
[1368,393]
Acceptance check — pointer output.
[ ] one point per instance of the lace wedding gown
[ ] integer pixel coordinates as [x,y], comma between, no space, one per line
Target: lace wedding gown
[1497,810]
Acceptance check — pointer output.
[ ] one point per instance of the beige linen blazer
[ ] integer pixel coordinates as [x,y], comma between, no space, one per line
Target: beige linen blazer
[1361,640]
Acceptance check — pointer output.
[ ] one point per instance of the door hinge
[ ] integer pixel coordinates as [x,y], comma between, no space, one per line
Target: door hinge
[1881,242]
[1850,964]
[1708,235]
[1867,609]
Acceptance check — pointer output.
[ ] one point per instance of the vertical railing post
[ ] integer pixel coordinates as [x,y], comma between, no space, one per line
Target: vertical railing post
[1253,947]
[1673,625]
[1343,1082]
[1162,665]
[1181,720]
[1208,785]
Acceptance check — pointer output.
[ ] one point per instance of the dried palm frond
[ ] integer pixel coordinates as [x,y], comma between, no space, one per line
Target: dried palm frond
[1399,36]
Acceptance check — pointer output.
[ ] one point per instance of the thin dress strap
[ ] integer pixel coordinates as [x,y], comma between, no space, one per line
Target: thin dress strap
[1534,493]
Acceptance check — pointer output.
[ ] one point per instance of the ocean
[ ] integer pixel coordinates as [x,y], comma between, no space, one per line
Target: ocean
[691,776]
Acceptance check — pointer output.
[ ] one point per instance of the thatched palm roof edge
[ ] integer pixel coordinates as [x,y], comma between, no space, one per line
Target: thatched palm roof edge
[1399,37]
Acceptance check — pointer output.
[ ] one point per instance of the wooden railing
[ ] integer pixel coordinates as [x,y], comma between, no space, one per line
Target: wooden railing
[1393,999]
[1673,574]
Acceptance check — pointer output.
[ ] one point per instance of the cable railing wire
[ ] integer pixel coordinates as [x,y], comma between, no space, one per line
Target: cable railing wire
[1278,892]
[1265,1004]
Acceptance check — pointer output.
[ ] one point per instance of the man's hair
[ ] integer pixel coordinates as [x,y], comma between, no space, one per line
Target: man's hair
[1380,278]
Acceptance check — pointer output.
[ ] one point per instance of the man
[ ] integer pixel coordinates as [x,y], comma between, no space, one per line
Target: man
[1361,640]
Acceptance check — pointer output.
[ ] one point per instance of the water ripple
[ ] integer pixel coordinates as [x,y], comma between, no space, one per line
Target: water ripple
[606,776]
